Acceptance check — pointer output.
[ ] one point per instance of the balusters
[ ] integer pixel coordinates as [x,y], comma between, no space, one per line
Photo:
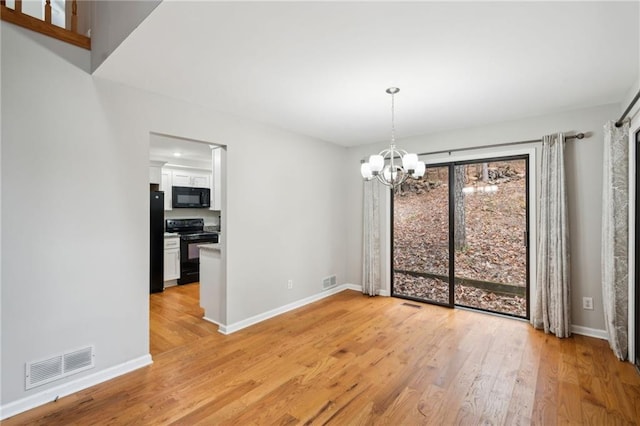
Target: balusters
[44,25]
[47,12]
[74,16]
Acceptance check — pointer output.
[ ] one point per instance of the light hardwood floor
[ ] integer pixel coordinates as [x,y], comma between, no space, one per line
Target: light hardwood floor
[351,359]
[175,318]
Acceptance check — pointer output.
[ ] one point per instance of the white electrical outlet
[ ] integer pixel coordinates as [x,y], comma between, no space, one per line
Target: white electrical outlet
[587,303]
[290,284]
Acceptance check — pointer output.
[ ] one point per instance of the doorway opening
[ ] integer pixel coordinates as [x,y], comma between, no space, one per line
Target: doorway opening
[460,236]
[187,181]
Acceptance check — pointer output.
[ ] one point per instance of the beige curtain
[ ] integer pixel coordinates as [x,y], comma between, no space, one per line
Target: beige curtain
[552,307]
[615,236]
[371,238]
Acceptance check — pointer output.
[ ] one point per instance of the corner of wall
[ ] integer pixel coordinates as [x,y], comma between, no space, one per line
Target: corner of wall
[112,23]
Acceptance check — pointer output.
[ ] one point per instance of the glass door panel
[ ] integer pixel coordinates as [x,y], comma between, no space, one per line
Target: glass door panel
[420,227]
[490,236]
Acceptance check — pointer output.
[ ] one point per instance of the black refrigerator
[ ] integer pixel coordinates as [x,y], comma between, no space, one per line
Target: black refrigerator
[156,243]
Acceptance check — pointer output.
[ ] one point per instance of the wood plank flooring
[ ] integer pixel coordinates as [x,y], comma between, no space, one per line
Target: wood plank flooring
[351,360]
[175,318]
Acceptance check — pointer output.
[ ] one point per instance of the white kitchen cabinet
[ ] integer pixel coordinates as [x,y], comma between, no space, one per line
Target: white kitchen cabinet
[191,179]
[171,258]
[165,185]
[181,178]
[155,170]
[216,178]
[154,175]
[200,181]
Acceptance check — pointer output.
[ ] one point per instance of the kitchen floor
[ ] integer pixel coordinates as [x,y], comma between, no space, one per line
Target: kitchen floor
[175,318]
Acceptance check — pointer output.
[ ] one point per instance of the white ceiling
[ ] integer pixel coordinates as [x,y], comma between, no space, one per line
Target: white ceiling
[191,153]
[321,69]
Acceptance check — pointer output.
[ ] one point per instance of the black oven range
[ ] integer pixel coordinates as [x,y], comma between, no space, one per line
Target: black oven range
[192,234]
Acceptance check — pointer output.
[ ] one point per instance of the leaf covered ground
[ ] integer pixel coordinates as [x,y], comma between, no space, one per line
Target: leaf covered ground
[494,249]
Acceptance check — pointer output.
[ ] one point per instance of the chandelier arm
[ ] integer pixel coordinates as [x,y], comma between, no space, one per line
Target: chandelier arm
[384,152]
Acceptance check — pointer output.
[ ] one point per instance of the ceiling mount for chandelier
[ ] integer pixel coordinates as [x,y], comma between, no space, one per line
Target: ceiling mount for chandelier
[392,166]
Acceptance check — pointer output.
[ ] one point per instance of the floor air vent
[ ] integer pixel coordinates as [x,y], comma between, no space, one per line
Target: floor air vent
[329,282]
[411,305]
[58,366]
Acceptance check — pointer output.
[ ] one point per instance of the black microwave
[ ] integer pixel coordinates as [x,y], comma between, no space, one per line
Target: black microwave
[188,197]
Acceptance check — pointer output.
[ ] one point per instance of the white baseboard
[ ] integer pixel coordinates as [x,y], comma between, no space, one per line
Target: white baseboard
[51,394]
[591,332]
[358,287]
[212,321]
[232,328]
[576,329]
[355,287]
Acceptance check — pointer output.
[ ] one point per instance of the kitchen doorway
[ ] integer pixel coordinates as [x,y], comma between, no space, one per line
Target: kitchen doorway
[190,176]
[460,236]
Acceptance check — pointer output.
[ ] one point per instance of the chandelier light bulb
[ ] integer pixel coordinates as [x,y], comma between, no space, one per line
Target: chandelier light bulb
[409,162]
[365,171]
[387,174]
[419,170]
[376,162]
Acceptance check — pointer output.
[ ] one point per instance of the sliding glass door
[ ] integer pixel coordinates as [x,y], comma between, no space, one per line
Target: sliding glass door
[460,236]
[421,255]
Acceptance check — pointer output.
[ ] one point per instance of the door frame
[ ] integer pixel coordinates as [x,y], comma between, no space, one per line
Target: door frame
[451,303]
[475,156]
[527,227]
[634,242]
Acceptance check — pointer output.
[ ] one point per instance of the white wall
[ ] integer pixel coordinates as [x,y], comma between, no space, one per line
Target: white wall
[74,271]
[584,178]
[112,22]
[75,211]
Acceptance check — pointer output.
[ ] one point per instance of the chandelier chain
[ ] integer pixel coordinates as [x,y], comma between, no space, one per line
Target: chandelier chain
[393,120]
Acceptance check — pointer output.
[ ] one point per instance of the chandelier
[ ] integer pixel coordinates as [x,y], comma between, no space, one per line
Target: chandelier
[386,166]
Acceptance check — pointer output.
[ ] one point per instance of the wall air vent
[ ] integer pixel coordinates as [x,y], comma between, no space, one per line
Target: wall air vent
[328,282]
[56,367]
[78,360]
[44,371]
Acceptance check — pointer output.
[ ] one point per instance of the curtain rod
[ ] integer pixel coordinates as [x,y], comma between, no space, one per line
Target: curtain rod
[626,111]
[449,151]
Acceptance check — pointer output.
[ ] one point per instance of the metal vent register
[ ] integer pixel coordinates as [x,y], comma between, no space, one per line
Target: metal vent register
[329,282]
[62,365]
